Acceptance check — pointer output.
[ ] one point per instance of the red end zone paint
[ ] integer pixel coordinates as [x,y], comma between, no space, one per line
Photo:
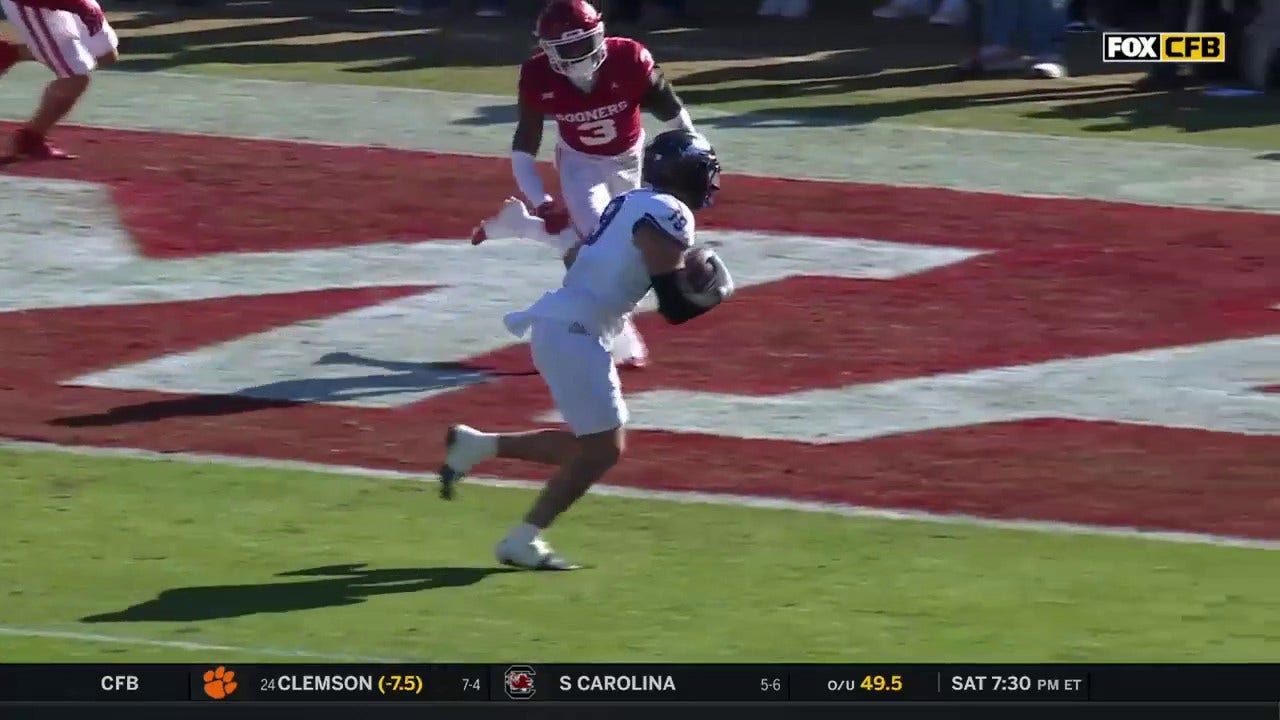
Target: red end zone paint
[1068,278]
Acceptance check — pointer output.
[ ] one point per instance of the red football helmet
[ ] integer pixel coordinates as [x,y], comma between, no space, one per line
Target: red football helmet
[571,33]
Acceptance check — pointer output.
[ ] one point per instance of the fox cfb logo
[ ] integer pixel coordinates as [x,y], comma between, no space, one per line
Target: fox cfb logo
[1164,47]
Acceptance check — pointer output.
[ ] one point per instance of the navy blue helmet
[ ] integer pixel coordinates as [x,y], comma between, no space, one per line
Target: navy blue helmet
[683,164]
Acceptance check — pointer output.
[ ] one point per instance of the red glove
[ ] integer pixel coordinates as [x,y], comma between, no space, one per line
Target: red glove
[91,15]
[554,215]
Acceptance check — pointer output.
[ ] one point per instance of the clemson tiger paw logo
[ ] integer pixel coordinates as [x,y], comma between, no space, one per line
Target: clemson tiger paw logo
[219,682]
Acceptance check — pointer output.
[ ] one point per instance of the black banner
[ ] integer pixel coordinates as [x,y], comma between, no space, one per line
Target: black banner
[634,711]
[670,683]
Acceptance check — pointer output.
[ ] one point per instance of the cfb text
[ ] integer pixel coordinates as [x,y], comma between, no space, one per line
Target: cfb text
[120,683]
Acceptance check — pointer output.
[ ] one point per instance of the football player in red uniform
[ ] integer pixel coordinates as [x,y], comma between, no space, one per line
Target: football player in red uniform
[70,37]
[594,87]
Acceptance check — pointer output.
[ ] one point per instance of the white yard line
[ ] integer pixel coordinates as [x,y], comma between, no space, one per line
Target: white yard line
[684,497]
[51,634]
[759,144]
[742,173]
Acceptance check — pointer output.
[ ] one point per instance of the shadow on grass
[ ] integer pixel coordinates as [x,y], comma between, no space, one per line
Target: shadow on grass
[397,377]
[321,587]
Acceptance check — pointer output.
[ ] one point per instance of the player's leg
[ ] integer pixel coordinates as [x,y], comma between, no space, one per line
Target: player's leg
[588,184]
[105,46]
[596,454]
[584,186]
[588,458]
[625,173]
[60,41]
[586,389]
[466,446]
[588,394]
[11,54]
[584,385]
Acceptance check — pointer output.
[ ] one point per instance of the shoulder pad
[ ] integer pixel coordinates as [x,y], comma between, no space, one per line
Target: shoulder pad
[670,215]
[535,67]
[645,58]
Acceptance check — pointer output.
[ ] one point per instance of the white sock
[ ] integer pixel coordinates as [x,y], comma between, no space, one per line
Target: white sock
[524,533]
[474,446]
[487,443]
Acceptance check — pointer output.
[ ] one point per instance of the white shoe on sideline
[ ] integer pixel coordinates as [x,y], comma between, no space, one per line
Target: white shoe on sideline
[1050,68]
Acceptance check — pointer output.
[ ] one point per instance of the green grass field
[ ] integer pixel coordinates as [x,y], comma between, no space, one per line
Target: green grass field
[210,554]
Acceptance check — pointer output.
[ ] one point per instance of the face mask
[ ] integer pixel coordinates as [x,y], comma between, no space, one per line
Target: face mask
[582,74]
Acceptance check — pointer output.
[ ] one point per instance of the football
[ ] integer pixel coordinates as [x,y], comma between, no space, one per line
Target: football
[698,273]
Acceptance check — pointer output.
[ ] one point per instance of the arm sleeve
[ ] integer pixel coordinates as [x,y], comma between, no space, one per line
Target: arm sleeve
[673,305]
[524,166]
[682,121]
[525,169]
[661,99]
[526,93]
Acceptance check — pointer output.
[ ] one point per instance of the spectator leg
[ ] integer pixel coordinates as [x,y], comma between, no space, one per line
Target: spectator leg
[1045,22]
[1173,18]
[999,20]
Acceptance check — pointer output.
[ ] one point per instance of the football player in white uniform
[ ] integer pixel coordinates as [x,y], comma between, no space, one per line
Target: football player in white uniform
[645,241]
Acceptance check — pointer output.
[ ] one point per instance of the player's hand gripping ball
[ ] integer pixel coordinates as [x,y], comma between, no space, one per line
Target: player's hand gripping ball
[698,276]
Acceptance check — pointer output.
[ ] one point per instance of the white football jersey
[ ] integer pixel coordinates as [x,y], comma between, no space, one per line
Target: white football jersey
[609,278]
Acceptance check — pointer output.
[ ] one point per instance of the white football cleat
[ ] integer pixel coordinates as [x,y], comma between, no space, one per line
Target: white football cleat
[512,221]
[465,447]
[533,554]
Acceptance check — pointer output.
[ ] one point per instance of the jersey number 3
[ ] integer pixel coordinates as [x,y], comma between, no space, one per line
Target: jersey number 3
[598,132]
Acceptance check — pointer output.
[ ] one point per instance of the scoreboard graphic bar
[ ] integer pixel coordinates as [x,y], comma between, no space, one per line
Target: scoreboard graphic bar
[534,683]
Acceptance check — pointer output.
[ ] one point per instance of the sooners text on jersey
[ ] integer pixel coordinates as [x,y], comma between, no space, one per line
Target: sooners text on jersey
[604,121]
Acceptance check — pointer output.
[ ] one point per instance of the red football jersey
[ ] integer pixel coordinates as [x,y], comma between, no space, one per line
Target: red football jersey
[605,121]
[71,6]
